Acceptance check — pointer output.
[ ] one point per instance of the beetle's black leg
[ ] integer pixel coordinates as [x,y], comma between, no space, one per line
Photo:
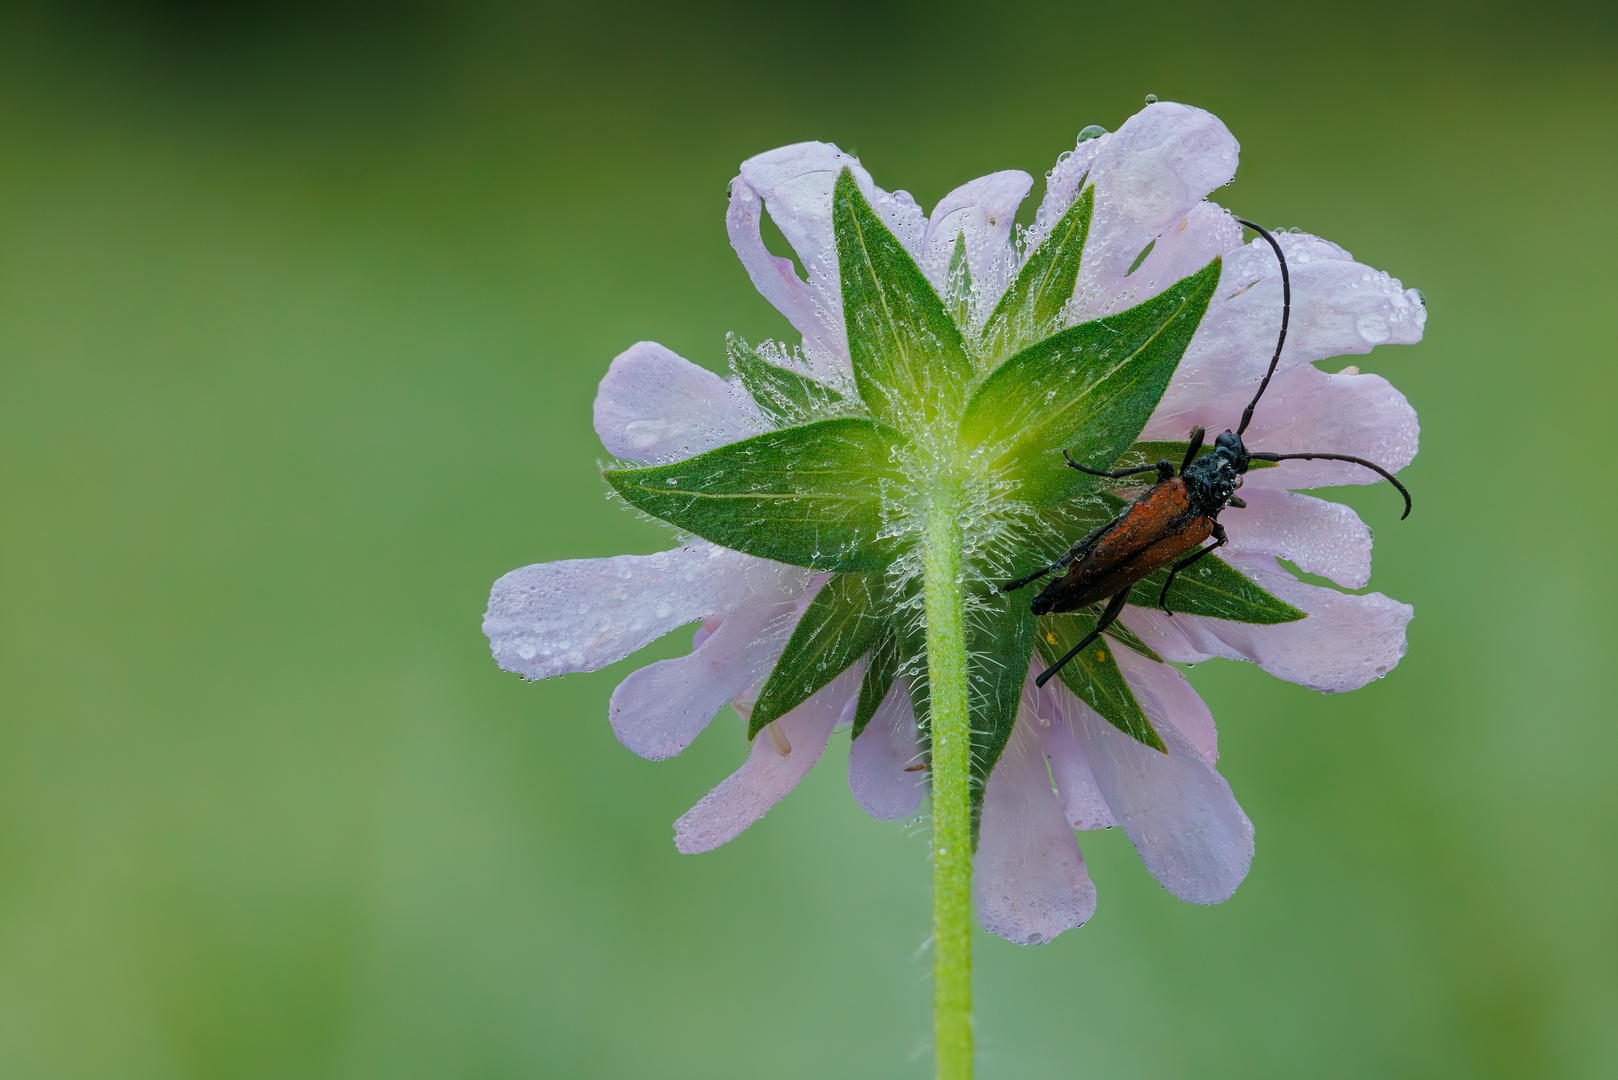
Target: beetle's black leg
[1013,586]
[1219,542]
[1108,617]
[1164,470]
[1373,466]
[1191,451]
[1060,564]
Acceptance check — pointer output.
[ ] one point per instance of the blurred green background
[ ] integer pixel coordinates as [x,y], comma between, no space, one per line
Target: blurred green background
[302,308]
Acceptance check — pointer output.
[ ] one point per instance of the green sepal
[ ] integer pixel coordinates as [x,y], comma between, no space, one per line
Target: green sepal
[909,358]
[1031,308]
[1145,251]
[958,284]
[1150,453]
[782,394]
[879,677]
[809,496]
[1125,636]
[839,626]
[912,652]
[1094,675]
[1000,634]
[1213,587]
[1089,390]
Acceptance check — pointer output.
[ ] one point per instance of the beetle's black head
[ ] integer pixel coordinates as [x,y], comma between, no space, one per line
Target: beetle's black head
[1230,447]
[1213,478]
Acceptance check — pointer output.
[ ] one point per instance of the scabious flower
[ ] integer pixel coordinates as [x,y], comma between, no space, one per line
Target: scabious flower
[953,352]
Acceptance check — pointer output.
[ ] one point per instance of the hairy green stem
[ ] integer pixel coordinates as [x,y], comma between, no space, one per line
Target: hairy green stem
[951,769]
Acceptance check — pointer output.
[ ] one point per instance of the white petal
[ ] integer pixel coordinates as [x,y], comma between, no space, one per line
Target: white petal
[583,614]
[767,774]
[1339,307]
[1177,811]
[1305,409]
[879,758]
[1160,164]
[1028,877]
[794,184]
[1346,641]
[655,406]
[658,710]
[985,210]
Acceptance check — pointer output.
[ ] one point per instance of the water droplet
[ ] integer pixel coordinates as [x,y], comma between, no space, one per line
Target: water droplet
[1373,329]
[1151,99]
[1421,296]
[1094,131]
[1294,229]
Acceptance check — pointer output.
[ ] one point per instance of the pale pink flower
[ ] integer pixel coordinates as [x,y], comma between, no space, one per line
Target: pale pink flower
[1152,179]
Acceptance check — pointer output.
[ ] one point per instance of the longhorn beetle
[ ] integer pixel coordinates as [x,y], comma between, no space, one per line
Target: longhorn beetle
[1171,519]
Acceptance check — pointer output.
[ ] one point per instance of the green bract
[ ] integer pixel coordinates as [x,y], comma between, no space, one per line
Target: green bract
[949,415]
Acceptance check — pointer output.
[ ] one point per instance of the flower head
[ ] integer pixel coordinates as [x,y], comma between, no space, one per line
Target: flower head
[949,359]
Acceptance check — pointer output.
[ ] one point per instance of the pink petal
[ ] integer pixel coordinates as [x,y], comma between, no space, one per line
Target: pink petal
[1062,186]
[1028,877]
[985,210]
[658,710]
[583,614]
[1168,698]
[879,758]
[1320,537]
[656,406]
[767,774]
[810,309]
[1339,307]
[1206,231]
[1177,811]
[1076,789]
[794,184]
[1305,409]
[1161,163]
[1346,641]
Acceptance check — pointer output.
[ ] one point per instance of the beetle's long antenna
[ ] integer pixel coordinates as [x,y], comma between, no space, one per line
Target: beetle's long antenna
[1386,475]
[1286,315]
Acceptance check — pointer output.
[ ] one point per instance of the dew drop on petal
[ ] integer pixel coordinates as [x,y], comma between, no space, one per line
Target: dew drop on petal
[1094,131]
[1373,328]
[644,434]
[1151,99]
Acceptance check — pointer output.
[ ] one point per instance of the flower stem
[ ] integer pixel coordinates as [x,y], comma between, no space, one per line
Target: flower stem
[951,762]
